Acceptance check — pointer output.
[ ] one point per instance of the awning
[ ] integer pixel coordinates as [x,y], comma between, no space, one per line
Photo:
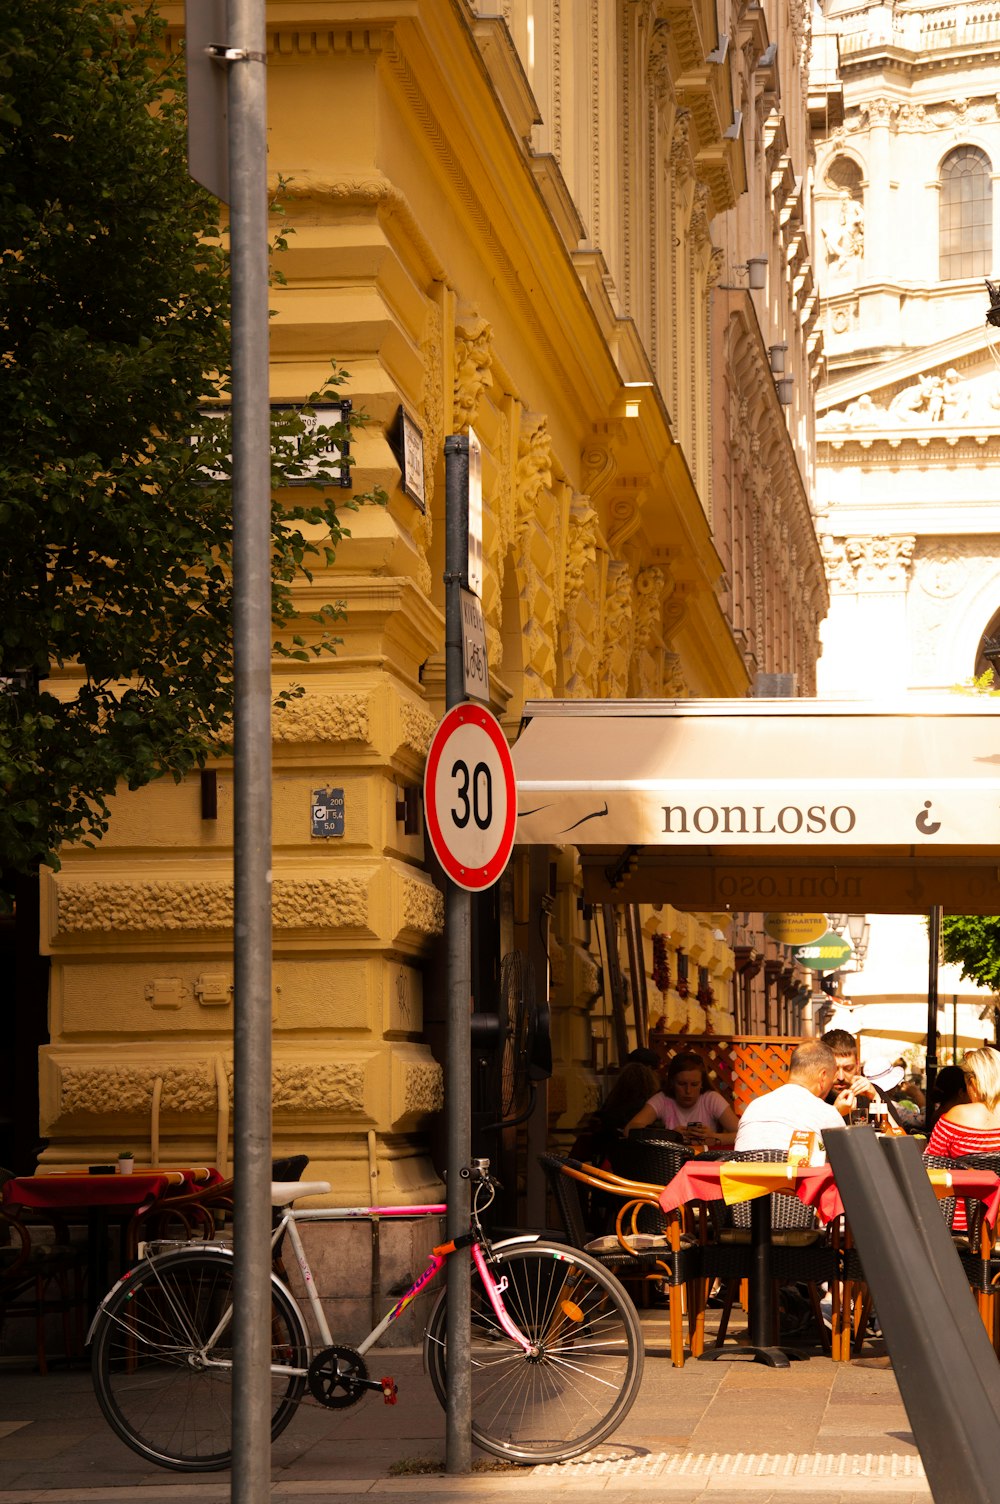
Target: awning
[749,804]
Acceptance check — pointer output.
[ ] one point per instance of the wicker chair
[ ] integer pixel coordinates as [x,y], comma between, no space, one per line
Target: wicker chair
[980,1258]
[802,1253]
[656,1161]
[857,1301]
[671,1262]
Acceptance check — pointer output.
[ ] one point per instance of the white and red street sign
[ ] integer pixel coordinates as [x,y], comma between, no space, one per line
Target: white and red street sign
[470,797]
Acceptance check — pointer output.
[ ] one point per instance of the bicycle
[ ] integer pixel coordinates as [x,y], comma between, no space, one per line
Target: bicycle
[557,1350]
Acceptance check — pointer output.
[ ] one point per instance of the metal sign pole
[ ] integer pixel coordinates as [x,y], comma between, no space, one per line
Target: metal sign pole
[245,58]
[458,923]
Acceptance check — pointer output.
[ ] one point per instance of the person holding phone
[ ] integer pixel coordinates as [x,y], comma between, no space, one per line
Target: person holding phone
[688,1105]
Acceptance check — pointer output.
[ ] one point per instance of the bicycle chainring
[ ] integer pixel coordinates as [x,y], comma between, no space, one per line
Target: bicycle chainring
[337,1377]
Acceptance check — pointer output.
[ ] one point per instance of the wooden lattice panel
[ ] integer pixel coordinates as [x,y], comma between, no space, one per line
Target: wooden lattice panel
[741,1066]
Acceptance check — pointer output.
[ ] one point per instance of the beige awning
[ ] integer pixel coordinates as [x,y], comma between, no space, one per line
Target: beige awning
[770,803]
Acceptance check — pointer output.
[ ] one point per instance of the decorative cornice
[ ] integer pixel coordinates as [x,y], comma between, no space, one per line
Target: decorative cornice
[122,907]
[418,727]
[423,907]
[372,192]
[868,563]
[343,717]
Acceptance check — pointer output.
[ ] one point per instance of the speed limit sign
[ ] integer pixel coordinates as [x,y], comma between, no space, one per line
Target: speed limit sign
[470,798]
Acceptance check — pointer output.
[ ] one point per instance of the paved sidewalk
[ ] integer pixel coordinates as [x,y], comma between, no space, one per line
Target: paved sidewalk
[717,1432]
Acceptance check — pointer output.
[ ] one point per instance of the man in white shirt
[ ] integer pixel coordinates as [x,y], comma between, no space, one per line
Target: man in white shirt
[769,1121]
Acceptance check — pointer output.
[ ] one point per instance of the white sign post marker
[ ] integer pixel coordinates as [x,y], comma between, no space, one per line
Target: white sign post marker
[470,797]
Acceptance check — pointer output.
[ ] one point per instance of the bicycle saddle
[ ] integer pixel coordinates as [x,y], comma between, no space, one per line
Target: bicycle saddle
[283,1192]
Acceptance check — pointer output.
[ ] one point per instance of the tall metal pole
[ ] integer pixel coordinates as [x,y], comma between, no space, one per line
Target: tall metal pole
[252,778]
[933,953]
[458,924]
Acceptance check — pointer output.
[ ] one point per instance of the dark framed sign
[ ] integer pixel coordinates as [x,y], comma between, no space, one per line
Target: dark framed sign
[407,442]
[324,417]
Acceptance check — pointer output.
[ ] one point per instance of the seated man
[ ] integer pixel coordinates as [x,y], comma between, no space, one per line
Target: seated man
[845,1048]
[769,1121]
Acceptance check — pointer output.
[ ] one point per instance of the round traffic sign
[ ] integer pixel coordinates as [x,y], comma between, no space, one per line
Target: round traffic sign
[470,798]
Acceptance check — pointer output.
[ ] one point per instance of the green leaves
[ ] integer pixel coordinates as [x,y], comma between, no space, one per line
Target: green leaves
[115,504]
[974,941]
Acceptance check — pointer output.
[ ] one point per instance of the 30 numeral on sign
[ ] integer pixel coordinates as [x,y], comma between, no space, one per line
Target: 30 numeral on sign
[482,778]
[470,802]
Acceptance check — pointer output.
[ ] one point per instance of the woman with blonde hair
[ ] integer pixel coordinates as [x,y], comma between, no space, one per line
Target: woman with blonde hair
[971,1127]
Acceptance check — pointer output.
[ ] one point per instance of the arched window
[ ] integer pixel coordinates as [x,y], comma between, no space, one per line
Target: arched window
[966,232]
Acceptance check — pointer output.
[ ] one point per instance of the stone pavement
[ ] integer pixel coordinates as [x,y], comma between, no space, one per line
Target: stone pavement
[719,1432]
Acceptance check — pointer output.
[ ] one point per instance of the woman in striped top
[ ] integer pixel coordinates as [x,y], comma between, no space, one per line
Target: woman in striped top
[971,1127]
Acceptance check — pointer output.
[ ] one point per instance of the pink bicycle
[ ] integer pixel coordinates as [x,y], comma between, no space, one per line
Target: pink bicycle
[557,1351]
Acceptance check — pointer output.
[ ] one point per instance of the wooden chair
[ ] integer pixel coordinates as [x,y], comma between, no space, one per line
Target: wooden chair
[41,1274]
[665,1259]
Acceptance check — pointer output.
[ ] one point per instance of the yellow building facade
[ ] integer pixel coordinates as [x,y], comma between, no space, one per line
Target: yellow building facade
[502,217]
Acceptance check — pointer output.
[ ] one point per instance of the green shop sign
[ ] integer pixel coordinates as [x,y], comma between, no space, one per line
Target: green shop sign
[827,953]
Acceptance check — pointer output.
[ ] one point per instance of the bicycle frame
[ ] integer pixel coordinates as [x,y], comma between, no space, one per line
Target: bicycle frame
[438,1257]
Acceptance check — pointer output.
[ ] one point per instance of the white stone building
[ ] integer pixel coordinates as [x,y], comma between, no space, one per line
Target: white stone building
[908,420]
[906,114]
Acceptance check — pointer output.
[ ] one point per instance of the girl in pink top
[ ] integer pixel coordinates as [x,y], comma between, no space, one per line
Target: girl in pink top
[971,1127]
[688,1105]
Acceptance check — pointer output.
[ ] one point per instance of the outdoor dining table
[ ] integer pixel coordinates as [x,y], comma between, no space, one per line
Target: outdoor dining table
[100,1200]
[749,1180]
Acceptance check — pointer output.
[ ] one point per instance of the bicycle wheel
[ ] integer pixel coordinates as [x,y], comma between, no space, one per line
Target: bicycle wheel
[581,1378]
[162,1359]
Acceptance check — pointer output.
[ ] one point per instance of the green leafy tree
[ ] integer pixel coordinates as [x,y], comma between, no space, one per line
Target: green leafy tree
[973,940]
[115,525]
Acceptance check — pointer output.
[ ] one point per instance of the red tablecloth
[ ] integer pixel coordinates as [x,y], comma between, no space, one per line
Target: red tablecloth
[741,1180]
[61,1192]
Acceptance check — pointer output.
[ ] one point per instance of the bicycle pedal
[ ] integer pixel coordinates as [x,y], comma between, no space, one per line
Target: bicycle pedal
[389,1391]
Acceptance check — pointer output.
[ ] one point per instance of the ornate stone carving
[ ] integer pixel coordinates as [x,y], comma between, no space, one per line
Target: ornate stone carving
[680,150]
[618,632]
[581,552]
[599,466]
[624,517]
[473,362]
[700,208]
[418,726]
[537,547]
[839,570]
[143,907]
[674,683]
[647,643]
[931,399]
[334,1086]
[880,563]
[579,638]
[498,529]
[119,1088]
[423,907]
[658,65]
[716,266]
[423,1090]
[943,571]
[534,469]
[324,718]
[845,243]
